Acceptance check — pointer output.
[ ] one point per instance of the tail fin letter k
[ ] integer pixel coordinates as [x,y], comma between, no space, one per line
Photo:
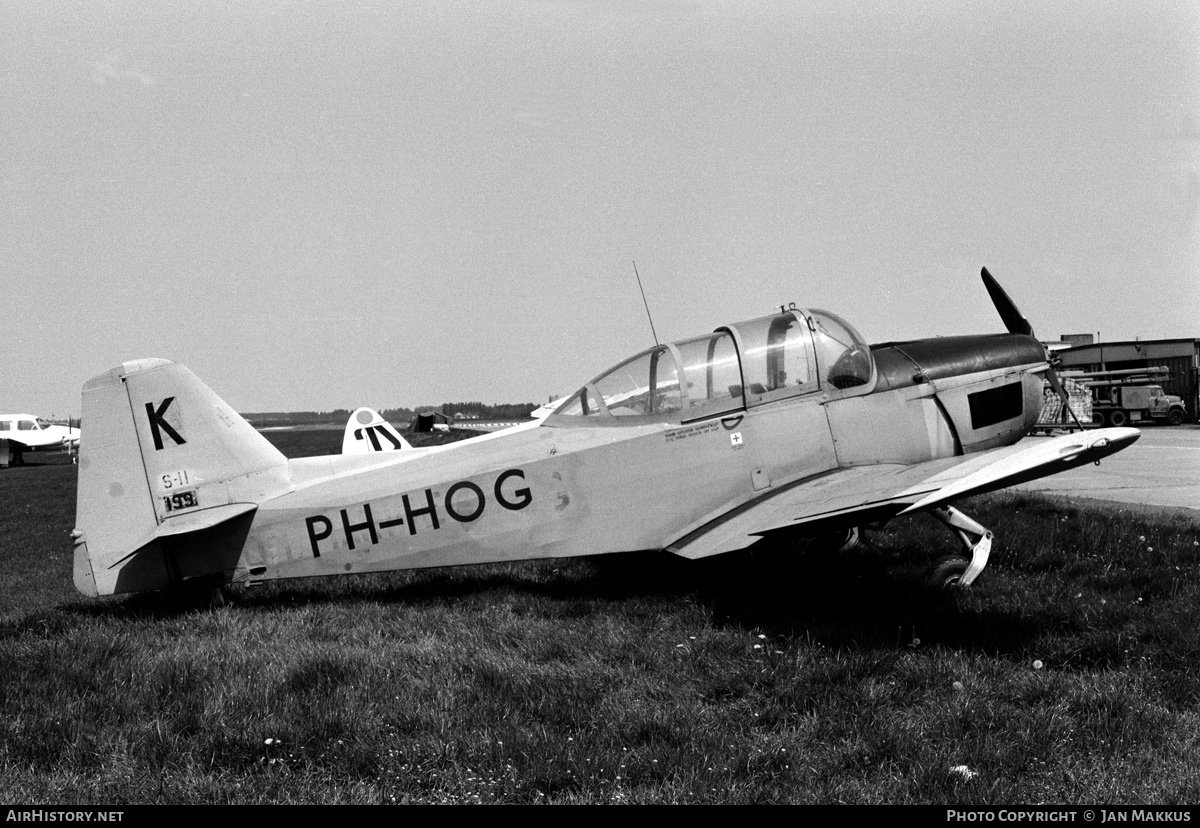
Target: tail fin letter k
[159,425]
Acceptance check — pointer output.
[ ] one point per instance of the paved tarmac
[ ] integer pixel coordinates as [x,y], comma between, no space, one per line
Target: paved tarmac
[1162,470]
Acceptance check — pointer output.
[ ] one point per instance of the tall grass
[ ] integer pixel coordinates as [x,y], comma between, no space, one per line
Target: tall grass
[1067,675]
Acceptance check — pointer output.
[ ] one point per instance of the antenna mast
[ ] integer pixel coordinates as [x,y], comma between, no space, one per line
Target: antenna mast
[644,302]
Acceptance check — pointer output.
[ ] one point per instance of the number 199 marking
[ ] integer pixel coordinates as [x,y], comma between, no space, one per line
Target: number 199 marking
[180,500]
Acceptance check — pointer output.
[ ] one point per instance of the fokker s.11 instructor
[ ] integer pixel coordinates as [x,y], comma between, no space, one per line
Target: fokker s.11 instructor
[788,423]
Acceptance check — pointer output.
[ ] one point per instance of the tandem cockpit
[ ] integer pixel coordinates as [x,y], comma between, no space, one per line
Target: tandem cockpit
[788,354]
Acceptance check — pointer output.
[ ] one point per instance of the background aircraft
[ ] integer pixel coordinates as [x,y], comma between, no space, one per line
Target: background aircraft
[785,424]
[436,421]
[25,432]
[366,432]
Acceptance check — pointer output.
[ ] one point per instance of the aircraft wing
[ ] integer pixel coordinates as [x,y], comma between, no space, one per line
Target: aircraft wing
[864,494]
[484,426]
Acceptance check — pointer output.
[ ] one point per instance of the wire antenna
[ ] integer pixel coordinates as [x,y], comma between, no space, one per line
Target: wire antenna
[647,304]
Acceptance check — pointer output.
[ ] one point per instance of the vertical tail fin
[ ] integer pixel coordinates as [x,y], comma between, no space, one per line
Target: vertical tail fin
[368,432]
[163,456]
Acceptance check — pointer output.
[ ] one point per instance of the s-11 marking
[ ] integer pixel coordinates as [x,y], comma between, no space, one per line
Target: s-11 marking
[466,510]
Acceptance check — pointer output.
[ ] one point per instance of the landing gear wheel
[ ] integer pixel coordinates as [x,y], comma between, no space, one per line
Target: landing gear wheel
[1118,418]
[834,542]
[947,572]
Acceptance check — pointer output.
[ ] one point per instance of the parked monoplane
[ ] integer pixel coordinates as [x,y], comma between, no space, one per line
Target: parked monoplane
[789,423]
[25,432]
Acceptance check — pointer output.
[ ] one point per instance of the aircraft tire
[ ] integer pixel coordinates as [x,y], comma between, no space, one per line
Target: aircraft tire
[831,542]
[1117,418]
[945,574]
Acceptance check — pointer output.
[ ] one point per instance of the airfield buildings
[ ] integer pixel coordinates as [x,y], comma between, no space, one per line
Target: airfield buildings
[1180,356]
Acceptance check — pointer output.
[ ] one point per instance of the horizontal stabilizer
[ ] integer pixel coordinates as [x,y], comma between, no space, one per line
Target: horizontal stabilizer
[204,519]
[175,527]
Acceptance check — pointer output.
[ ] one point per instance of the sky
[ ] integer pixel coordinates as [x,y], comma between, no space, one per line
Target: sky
[321,205]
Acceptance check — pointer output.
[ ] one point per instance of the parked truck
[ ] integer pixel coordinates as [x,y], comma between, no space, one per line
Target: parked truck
[1131,396]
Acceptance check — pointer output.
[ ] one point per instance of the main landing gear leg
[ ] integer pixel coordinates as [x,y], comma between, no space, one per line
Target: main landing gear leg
[977,540]
[855,540]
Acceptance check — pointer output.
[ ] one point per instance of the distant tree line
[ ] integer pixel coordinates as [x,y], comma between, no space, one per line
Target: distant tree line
[475,410]
[264,418]
[395,416]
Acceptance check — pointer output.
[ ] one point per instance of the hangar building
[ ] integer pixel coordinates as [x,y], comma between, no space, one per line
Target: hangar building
[1180,356]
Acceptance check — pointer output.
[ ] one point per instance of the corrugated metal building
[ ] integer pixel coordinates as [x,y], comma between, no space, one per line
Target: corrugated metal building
[1180,356]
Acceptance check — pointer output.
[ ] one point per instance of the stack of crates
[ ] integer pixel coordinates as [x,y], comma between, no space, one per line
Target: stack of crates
[1079,398]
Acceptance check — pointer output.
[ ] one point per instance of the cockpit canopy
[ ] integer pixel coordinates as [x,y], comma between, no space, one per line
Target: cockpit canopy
[787,354]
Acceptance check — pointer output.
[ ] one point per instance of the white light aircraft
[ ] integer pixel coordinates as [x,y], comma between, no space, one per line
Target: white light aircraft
[787,424]
[25,432]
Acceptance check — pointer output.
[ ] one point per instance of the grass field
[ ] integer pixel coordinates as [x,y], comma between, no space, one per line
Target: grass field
[1069,674]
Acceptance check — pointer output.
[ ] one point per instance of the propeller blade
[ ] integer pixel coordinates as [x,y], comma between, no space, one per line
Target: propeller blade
[1013,320]
[1056,385]
[1018,324]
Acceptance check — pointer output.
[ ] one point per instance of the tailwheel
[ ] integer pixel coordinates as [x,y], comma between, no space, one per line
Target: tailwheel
[946,574]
